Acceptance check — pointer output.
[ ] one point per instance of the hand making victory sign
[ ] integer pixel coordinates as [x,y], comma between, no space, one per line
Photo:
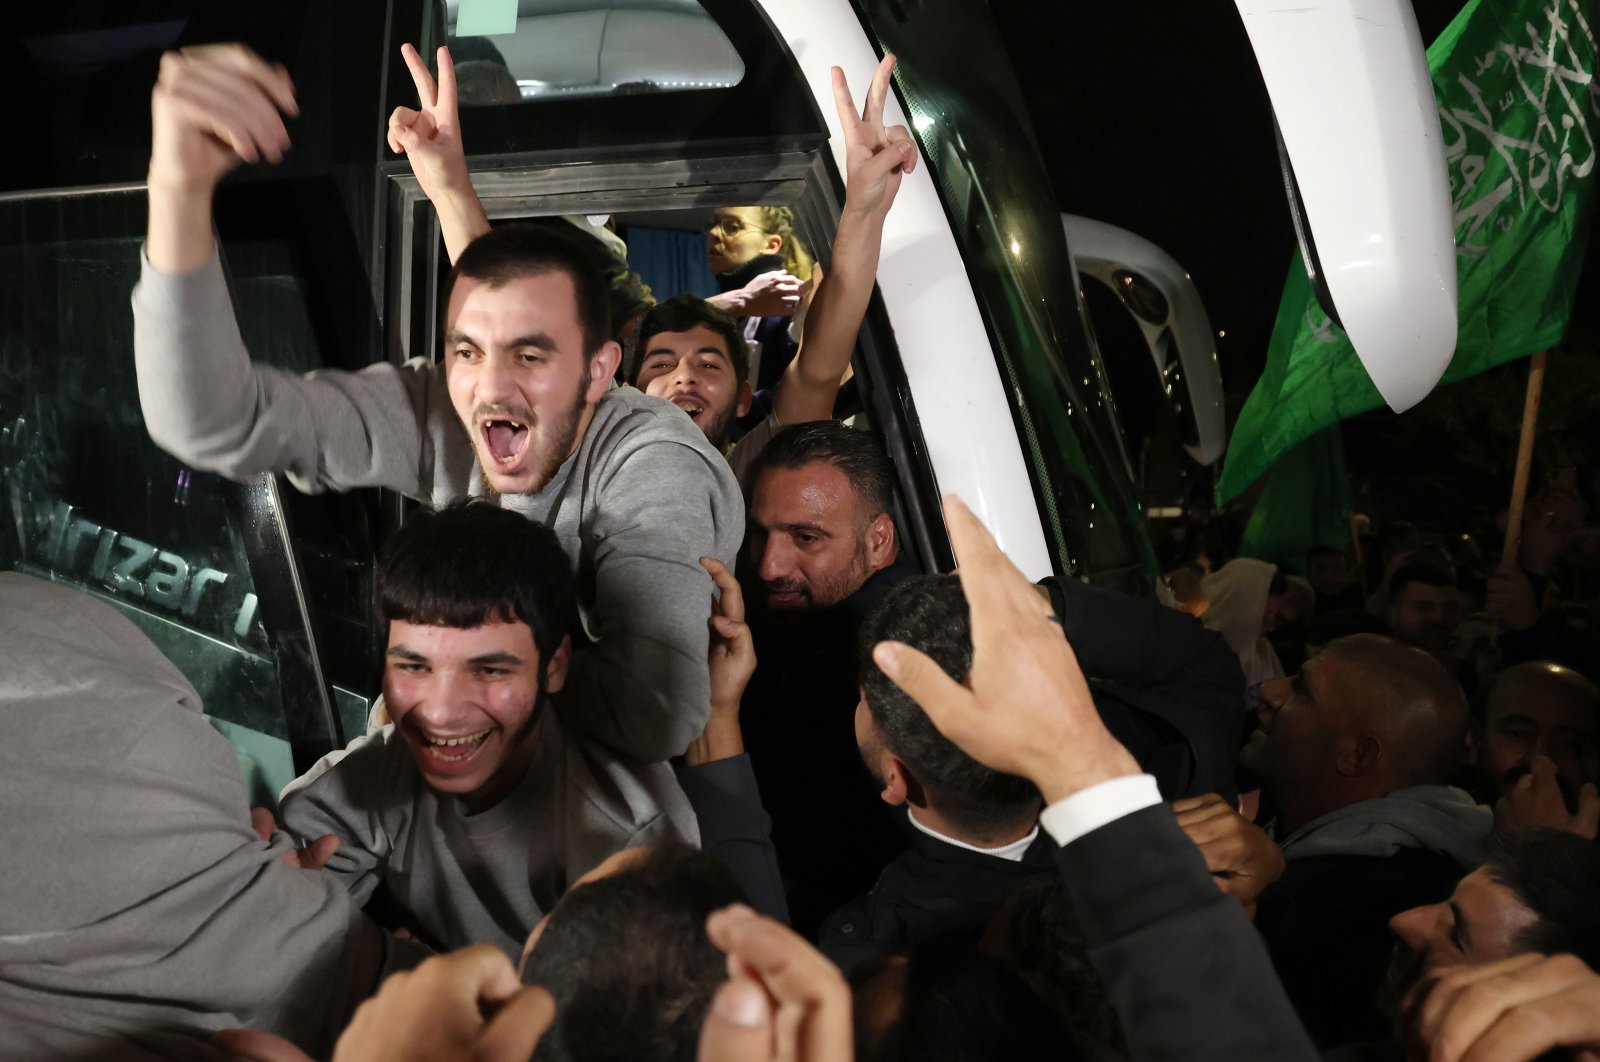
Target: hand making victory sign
[876,156]
[430,138]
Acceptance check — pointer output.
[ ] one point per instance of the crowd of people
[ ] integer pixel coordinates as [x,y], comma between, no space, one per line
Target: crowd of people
[680,754]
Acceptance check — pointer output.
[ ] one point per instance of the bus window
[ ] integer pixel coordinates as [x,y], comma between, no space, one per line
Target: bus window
[198,563]
[599,49]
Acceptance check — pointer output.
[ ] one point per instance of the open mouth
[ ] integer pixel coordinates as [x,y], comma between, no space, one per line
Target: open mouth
[504,440]
[690,404]
[455,749]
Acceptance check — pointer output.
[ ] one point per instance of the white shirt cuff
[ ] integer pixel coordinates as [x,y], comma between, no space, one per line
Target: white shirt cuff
[1089,809]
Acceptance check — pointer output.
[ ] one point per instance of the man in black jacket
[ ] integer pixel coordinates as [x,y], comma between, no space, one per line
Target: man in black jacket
[974,832]
[1187,976]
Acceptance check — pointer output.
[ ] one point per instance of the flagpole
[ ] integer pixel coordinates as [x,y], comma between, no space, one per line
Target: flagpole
[1519,482]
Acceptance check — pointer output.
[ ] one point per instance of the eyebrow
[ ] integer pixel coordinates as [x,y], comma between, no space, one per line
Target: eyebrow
[540,340]
[792,528]
[1517,718]
[499,657]
[718,351]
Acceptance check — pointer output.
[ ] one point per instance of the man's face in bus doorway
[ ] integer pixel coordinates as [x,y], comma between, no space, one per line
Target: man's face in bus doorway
[811,539]
[519,377]
[693,371]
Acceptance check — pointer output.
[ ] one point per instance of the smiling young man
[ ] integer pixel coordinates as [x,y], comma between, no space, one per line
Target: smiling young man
[521,410]
[475,807]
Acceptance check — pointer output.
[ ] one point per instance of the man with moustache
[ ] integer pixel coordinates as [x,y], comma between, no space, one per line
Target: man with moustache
[1538,761]
[521,410]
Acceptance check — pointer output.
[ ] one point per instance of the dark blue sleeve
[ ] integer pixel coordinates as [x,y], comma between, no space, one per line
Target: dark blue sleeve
[735,829]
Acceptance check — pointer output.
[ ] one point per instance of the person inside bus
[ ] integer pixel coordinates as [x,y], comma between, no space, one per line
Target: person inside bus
[762,268]
[475,806]
[696,355]
[522,410]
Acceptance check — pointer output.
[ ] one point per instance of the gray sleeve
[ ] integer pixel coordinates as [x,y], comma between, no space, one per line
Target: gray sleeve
[643,688]
[338,796]
[207,404]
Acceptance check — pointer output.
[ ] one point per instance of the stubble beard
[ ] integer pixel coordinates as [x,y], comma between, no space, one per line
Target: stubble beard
[551,442]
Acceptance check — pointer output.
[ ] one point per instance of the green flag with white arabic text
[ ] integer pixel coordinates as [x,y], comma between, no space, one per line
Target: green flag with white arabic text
[1520,110]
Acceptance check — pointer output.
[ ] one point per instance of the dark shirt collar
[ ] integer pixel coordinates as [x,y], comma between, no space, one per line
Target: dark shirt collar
[742,275]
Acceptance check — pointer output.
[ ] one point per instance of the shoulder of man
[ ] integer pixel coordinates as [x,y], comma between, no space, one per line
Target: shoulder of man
[372,774]
[620,797]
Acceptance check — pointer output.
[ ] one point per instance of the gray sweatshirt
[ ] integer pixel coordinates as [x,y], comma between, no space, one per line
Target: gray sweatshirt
[138,908]
[643,498]
[489,877]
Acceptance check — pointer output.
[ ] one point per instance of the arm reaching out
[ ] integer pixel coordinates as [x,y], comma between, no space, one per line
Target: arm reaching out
[430,139]
[876,158]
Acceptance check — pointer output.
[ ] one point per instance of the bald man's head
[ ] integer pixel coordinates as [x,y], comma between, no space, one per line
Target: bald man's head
[1407,699]
[1540,709]
[1362,719]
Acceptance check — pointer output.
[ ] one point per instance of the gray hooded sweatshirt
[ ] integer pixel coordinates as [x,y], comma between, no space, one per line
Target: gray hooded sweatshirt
[138,908]
[1439,818]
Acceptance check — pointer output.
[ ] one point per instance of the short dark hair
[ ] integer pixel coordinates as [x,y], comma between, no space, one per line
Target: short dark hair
[930,613]
[628,960]
[854,453]
[680,314]
[472,563]
[971,1005]
[1425,572]
[1557,876]
[528,249]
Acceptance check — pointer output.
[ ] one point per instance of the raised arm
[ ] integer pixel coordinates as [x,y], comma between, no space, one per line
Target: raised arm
[203,400]
[876,157]
[213,107]
[430,139]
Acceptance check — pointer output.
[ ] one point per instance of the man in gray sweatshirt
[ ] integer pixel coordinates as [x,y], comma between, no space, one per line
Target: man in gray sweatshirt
[138,907]
[521,411]
[474,806]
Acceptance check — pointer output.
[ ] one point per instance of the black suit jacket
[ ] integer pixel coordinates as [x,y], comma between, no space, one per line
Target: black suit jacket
[1185,970]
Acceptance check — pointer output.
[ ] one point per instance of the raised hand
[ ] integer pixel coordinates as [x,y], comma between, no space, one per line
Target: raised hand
[783,1002]
[1026,709]
[876,156]
[732,661]
[430,138]
[213,107]
[1536,801]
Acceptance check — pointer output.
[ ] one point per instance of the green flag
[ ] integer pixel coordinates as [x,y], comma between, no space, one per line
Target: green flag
[1520,112]
[1305,503]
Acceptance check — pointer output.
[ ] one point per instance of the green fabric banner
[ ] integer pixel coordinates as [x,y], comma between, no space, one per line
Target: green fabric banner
[1520,112]
[1305,503]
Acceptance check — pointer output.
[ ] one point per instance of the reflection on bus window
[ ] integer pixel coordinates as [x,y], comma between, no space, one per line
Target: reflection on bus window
[90,501]
[512,51]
